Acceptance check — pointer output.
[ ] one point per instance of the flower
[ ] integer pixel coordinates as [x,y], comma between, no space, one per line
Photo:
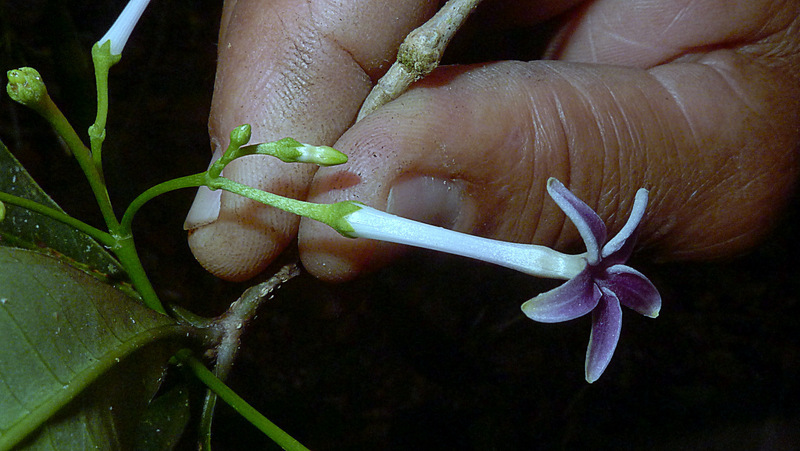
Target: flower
[119,33]
[598,281]
[604,284]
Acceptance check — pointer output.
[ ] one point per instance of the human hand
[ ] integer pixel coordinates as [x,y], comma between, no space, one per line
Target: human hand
[697,101]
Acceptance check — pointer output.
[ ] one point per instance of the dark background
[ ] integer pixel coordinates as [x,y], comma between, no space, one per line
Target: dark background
[434,352]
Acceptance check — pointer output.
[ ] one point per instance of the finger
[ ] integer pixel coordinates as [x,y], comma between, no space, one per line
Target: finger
[288,68]
[646,33]
[471,148]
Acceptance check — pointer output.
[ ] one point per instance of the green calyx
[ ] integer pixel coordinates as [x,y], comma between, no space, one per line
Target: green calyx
[102,56]
[337,214]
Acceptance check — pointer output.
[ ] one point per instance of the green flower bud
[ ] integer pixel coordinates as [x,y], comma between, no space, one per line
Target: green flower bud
[321,155]
[290,150]
[25,86]
[240,135]
[2,211]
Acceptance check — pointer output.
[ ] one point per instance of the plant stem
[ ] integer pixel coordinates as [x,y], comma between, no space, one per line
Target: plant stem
[206,419]
[269,428]
[244,309]
[56,118]
[228,328]
[419,54]
[125,250]
[189,181]
[102,237]
[298,207]
[103,60]
[123,247]
[330,214]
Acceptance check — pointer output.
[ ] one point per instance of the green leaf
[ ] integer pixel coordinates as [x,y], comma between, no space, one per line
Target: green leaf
[24,228]
[62,329]
[164,420]
[112,412]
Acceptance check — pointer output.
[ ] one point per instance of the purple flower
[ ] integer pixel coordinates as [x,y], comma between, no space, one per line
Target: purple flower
[604,284]
[597,280]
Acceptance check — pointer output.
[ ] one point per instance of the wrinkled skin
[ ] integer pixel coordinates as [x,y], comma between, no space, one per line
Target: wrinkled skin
[696,100]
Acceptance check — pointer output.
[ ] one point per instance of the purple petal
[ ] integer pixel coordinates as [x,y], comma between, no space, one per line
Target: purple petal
[606,326]
[576,297]
[589,225]
[619,248]
[633,289]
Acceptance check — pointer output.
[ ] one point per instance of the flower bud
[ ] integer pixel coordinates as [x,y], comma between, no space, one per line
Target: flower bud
[290,150]
[25,86]
[240,135]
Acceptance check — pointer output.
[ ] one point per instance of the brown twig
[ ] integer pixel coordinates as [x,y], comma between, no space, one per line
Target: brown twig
[419,54]
[227,330]
[232,322]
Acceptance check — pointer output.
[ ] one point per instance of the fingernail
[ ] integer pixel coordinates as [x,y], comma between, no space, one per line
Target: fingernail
[428,199]
[205,208]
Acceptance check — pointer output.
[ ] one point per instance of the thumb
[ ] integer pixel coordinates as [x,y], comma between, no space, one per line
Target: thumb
[471,149]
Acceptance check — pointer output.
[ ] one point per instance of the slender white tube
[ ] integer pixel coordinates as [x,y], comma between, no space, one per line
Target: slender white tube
[531,259]
[119,33]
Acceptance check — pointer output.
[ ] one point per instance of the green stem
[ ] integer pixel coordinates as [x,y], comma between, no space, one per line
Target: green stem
[330,214]
[123,247]
[325,213]
[102,237]
[122,244]
[269,428]
[206,420]
[120,240]
[189,181]
[298,207]
[103,60]
[125,250]
[56,118]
